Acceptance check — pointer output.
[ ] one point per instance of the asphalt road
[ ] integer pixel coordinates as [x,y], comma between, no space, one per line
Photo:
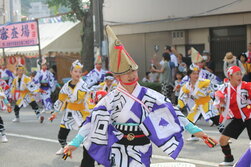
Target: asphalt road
[32,144]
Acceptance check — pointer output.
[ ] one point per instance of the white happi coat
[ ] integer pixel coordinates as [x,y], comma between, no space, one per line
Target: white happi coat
[153,113]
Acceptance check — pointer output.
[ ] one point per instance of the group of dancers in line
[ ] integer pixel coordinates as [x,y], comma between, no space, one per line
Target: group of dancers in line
[118,120]
[25,90]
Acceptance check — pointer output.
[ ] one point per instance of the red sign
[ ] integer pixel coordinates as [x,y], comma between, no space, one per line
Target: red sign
[18,34]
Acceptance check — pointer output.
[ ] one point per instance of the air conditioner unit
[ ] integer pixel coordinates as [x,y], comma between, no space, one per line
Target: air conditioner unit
[179,37]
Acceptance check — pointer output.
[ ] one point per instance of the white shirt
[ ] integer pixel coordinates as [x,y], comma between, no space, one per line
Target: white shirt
[174,59]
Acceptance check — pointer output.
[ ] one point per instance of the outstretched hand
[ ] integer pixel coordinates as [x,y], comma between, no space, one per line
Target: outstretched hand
[68,151]
[52,117]
[9,109]
[210,141]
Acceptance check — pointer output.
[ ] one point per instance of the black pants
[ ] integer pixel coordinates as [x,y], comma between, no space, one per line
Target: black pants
[215,120]
[236,127]
[1,126]
[33,105]
[62,136]
[87,160]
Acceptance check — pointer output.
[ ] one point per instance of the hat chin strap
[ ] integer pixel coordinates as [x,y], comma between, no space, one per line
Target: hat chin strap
[129,83]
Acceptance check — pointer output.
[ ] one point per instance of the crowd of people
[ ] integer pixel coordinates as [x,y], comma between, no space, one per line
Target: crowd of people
[118,120]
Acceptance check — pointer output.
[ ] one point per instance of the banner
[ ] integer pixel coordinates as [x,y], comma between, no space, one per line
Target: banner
[18,34]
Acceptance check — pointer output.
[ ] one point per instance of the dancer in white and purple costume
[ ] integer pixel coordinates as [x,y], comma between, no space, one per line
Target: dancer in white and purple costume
[125,123]
[121,128]
[97,75]
[46,81]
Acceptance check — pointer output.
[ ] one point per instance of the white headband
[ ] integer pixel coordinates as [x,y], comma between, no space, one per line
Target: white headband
[77,64]
[109,78]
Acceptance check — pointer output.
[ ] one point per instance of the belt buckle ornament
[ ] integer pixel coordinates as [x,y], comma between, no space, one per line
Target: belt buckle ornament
[130,137]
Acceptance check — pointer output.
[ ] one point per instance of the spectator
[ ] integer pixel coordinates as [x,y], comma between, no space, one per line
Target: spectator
[165,76]
[188,59]
[176,89]
[247,66]
[154,76]
[146,78]
[209,66]
[172,52]
[229,61]
[182,67]
[248,53]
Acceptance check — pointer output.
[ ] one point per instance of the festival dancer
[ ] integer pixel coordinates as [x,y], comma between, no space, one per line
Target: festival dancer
[8,77]
[109,83]
[233,100]
[198,60]
[123,123]
[96,76]
[195,96]
[46,81]
[87,160]
[71,98]
[5,88]
[23,90]
[6,102]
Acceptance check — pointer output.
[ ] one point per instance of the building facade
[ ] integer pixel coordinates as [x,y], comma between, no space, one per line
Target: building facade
[213,26]
[10,11]
[38,10]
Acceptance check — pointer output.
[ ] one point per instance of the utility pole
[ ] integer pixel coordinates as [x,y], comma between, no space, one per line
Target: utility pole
[11,11]
[98,24]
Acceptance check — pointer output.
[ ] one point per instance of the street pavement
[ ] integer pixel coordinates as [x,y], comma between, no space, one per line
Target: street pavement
[32,144]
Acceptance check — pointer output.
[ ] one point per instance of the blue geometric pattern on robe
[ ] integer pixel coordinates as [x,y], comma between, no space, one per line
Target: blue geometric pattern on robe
[147,157]
[168,138]
[163,122]
[99,151]
[50,79]
[245,160]
[93,78]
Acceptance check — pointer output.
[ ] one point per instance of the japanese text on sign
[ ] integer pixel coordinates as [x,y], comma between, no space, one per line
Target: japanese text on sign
[18,34]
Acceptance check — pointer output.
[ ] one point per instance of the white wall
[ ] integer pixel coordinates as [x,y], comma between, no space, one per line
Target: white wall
[199,36]
[130,11]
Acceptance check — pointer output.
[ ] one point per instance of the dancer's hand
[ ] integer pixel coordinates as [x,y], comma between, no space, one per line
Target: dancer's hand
[68,151]
[220,108]
[41,91]
[53,116]
[9,109]
[210,141]
[66,155]
[200,134]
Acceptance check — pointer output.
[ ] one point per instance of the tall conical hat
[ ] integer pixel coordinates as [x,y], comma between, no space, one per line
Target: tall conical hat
[195,55]
[120,61]
[98,58]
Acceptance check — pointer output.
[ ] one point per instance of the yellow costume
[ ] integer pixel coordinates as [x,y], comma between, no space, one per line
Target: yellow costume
[73,101]
[197,100]
[22,90]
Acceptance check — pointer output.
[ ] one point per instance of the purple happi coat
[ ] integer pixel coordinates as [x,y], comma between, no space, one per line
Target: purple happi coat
[151,111]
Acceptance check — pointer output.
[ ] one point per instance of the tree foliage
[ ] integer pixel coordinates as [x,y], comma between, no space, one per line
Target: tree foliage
[82,11]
